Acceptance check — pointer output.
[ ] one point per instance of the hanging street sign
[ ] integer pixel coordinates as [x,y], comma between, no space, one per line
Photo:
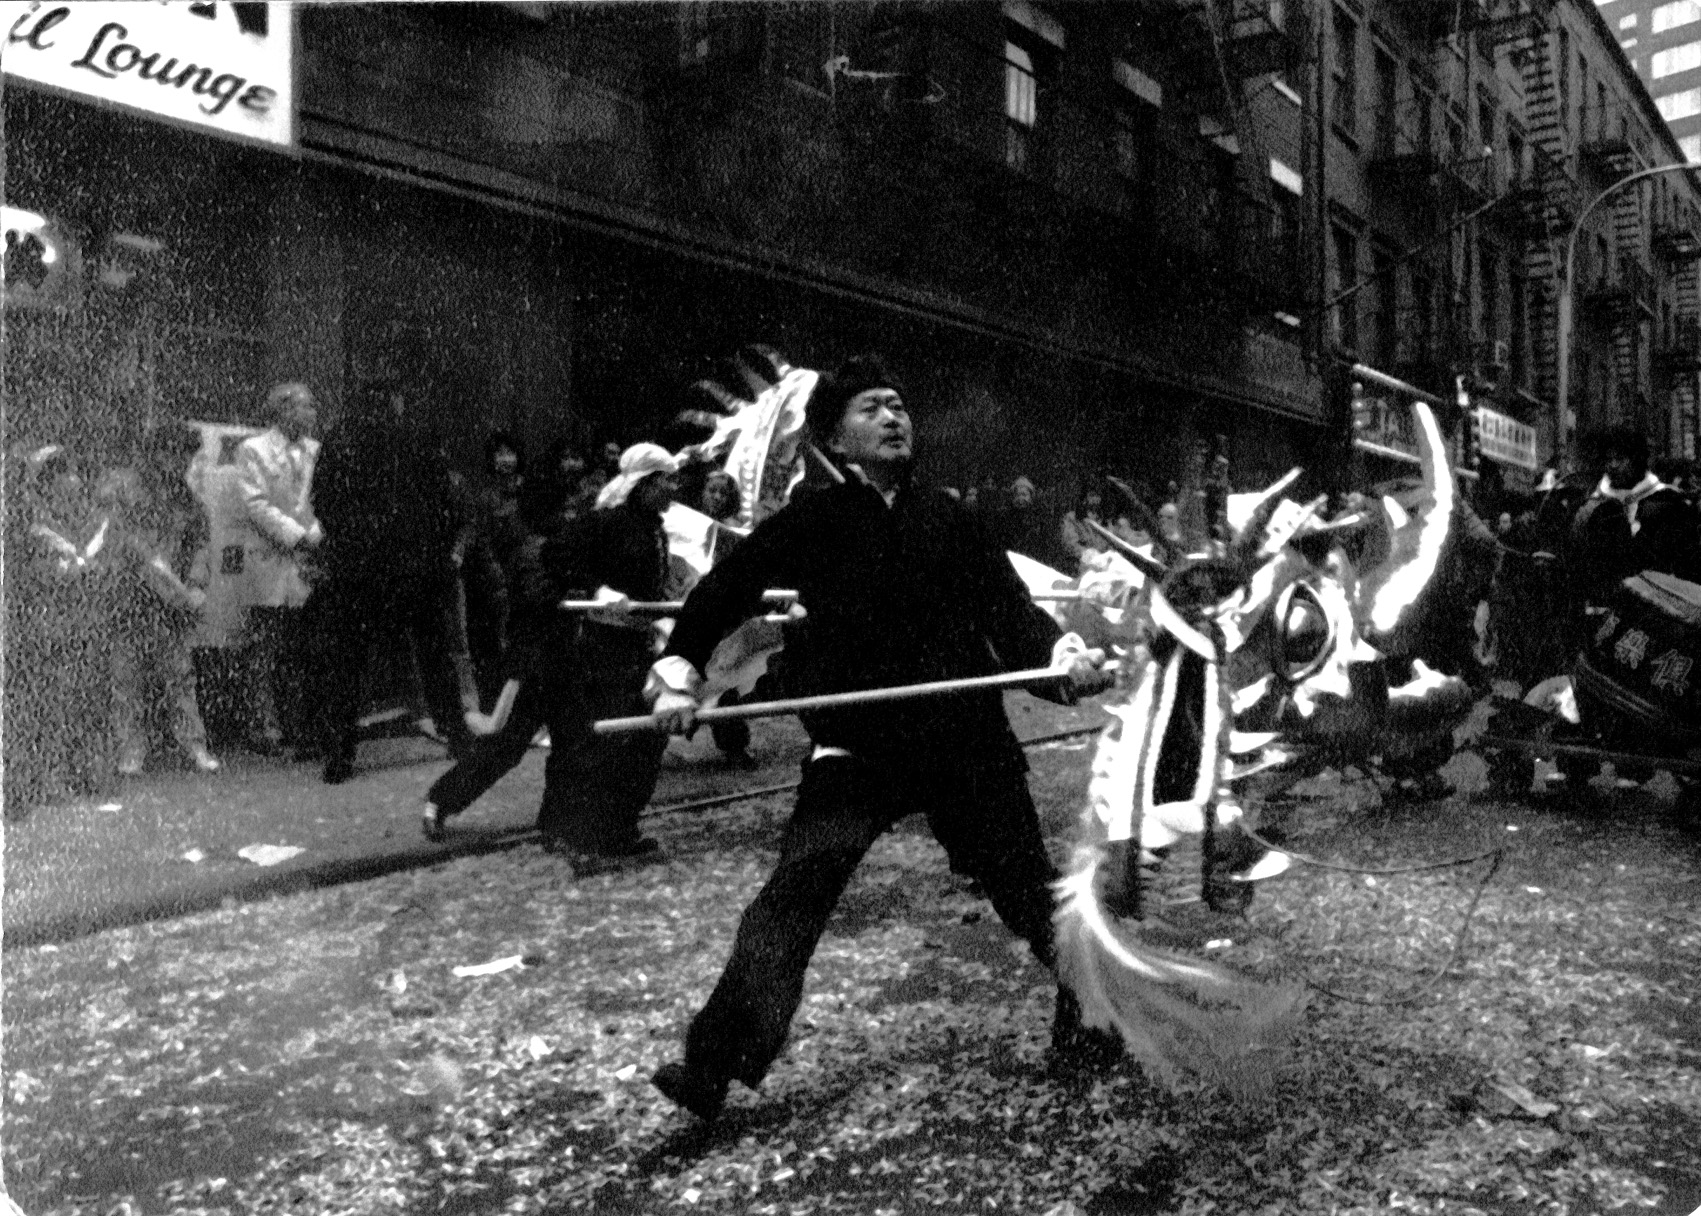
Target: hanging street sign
[1506,439]
[211,64]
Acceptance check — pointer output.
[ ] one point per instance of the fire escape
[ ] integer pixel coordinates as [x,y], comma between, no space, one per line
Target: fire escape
[1256,252]
[1677,342]
[1623,293]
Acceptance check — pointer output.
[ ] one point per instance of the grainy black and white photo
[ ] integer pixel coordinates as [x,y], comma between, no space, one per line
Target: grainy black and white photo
[863,607]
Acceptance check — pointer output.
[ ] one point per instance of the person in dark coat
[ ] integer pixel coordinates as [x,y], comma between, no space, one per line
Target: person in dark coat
[386,502]
[900,585]
[575,668]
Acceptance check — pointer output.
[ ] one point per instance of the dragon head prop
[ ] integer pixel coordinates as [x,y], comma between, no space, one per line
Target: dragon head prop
[1266,647]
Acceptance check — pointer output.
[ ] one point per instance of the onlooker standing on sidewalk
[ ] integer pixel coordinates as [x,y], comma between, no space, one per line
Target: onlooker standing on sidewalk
[387,504]
[161,551]
[57,679]
[275,477]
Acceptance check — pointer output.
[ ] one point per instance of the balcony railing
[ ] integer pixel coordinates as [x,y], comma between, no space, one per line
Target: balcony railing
[1609,140]
[1267,36]
[1542,197]
[1406,152]
[1679,350]
[1677,239]
[1497,20]
[1624,287]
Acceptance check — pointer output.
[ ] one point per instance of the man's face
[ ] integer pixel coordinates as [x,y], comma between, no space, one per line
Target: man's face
[720,498]
[1022,495]
[1621,470]
[298,416]
[655,492]
[505,461]
[874,430]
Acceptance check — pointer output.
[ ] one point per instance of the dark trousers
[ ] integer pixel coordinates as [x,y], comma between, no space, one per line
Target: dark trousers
[978,808]
[356,616]
[595,786]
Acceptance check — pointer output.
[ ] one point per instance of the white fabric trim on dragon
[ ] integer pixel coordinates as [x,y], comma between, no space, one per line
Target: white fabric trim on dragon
[1118,774]
[1152,744]
[1165,617]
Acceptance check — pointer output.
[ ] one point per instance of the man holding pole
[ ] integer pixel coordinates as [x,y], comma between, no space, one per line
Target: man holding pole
[577,668]
[900,587]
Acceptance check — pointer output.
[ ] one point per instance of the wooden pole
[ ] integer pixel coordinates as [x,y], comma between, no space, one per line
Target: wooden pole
[839,700]
[663,606]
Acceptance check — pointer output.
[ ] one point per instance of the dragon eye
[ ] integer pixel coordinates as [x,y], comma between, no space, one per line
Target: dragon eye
[1302,633]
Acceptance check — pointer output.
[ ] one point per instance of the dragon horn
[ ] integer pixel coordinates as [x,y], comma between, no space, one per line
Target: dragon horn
[1148,521]
[1387,590]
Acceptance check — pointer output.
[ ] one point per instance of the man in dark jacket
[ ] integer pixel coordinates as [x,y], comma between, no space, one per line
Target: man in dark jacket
[384,498]
[900,586]
[575,668]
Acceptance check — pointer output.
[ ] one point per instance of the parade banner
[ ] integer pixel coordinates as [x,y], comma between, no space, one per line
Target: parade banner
[218,66]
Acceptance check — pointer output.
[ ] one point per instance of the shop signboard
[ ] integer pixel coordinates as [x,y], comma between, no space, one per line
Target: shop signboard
[1383,423]
[1506,440]
[214,65]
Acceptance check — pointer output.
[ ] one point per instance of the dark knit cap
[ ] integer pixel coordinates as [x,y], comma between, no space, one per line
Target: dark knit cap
[855,375]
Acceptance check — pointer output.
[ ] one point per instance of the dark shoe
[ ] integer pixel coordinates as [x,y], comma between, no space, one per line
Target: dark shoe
[338,770]
[684,1086]
[432,822]
[266,745]
[638,846]
[1076,1047]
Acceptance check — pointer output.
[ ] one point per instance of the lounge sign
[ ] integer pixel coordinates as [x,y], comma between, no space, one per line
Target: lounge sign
[215,65]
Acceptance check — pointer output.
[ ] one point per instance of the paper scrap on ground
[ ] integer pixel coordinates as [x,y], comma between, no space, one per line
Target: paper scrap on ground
[110,806]
[538,1047]
[627,1073]
[512,962]
[269,854]
[195,856]
[1538,1107]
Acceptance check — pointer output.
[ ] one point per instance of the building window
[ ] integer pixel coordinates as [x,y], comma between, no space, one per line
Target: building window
[1344,74]
[1582,86]
[1384,295]
[1345,243]
[1670,16]
[1386,79]
[1032,43]
[1673,60]
[1679,105]
[1422,313]
[1423,120]
[800,39]
[1565,77]
[1691,146]
[1518,316]
[1488,280]
[1627,23]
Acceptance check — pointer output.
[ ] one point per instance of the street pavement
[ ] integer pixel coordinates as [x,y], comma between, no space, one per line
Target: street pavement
[167,843]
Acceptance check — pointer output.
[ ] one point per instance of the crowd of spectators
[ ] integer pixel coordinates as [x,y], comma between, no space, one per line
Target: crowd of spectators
[234,583]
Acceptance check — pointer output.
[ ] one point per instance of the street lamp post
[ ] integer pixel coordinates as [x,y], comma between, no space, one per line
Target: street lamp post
[1563,336]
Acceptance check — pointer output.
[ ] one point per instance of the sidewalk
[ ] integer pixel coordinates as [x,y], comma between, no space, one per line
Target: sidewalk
[81,867]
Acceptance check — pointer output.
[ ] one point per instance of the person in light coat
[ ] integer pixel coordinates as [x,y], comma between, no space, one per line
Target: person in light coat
[275,483]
